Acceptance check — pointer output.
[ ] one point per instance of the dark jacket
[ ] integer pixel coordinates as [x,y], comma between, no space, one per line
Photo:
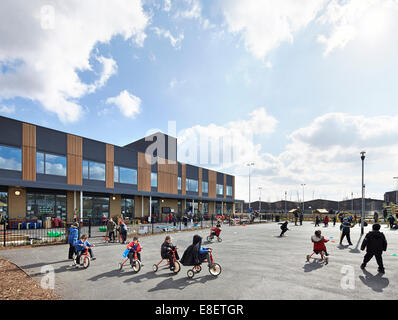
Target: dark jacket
[164,249]
[191,256]
[375,242]
[284,226]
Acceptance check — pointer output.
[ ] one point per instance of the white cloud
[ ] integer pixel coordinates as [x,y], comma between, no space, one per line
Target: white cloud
[128,104]
[264,25]
[193,10]
[51,49]
[167,5]
[174,41]
[6,109]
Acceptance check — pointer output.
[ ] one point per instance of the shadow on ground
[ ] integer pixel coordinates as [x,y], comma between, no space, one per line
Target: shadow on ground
[376,283]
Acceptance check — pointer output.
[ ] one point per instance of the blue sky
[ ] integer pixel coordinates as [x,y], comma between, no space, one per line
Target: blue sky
[221,67]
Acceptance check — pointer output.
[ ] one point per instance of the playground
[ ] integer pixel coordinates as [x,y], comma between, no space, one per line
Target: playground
[256,264]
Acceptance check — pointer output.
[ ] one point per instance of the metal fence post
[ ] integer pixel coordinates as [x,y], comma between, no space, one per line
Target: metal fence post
[89,227]
[4,232]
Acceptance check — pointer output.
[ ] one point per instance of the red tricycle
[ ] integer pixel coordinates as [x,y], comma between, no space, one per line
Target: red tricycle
[134,262]
[214,268]
[177,266]
[214,232]
[84,259]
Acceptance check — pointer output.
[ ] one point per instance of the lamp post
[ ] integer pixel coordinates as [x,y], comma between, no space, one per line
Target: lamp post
[259,189]
[352,202]
[285,202]
[249,165]
[363,192]
[303,184]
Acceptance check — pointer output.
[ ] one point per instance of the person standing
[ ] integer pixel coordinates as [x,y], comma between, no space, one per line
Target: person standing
[301,219]
[326,221]
[110,229]
[345,227]
[391,220]
[375,243]
[376,217]
[123,231]
[72,238]
[295,218]
[334,220]
[317,220]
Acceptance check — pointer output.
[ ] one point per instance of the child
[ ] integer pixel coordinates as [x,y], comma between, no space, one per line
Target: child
[284,228]
[134,246]
[166,252]
[72,238]
[326,221]
[110,229]
[217,230]
[345,228]
[195,254]
[317,220]
[319,246]
[80,247]
[375,243]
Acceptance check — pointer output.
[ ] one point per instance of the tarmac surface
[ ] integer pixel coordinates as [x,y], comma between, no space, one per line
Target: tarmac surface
[256,264]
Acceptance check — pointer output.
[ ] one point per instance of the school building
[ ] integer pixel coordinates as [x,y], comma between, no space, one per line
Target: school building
[48,173]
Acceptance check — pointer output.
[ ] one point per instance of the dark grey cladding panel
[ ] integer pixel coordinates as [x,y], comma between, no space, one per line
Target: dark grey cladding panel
[179,169]
[51,141]
[205,175]
[94,150]
[229,180]
[93,183]
[192,172]
[126,157]
[50,178]
[10,132]
[154,167]
[158,145]
[190,193]
[10,174]
[121,188]
[220,178]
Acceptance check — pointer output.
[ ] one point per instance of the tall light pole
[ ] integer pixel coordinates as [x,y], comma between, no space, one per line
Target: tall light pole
[363,192]
[396,192]
[259,189]
[249,165]
[352,202]
[303,184]
[285,202]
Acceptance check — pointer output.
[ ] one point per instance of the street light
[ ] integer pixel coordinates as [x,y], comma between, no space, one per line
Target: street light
[259,189]
[303,184]
[249,165]
[285,202]
[352,202]
[363,192]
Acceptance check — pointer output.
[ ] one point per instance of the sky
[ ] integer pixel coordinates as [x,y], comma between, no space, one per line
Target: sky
[299,88]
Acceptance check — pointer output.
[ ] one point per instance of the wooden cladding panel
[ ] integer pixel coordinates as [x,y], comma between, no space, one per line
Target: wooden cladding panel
[144,172]
[200,182]
[212,184]
[109,166]
[74,160]
[225,186]
[28,152]
[167,176]
[183,179]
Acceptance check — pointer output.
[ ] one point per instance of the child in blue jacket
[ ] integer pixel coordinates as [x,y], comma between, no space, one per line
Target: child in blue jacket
[72,238]
[80,247]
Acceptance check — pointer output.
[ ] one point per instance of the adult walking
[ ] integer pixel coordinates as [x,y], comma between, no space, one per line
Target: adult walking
[375,243]
[110,229]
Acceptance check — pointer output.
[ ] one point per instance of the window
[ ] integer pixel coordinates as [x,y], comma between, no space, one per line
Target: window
[47,163]
[191,185]
[229,191]
[10,158]
[154,179]
[179,183]
[220,189]
[42,205]
[3,203]
[127,207]
[205,187]
[93,170]
[95,208]
[127,175]
[116,174]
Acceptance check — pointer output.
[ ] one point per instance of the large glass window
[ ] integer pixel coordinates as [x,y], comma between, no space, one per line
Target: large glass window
[179,183]
[128,207]
[95,207]
[229,191]
[116,174]
[50,164]
[205,208]
[220,189]
[42,205]
[191,185]
[40,162]
[93,170]
[126,175]
[205,187]
[154,179]
[10,158]
[229,208]
[218,208]
[3,204]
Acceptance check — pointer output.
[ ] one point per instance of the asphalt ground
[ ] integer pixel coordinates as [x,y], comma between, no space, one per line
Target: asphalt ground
[256,264]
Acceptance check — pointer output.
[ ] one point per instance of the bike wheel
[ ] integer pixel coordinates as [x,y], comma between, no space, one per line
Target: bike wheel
[136,266]
[155,268]
[190,273]
[208,238]
[215,270]
[120,266]
[86,262]
[177,267]
[219,239]
[199,269]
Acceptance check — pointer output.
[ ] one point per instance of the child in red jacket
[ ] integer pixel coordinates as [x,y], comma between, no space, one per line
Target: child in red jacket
[134,246]
[319,246]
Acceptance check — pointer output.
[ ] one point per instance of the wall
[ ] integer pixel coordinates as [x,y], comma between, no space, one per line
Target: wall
[16,204]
